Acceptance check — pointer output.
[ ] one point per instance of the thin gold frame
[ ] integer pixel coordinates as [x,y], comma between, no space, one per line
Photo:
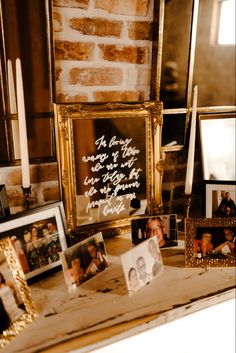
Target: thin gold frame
[64,116]
[30,312]
[190,231]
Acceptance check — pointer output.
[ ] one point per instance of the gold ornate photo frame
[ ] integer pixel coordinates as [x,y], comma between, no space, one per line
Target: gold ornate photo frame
[108,154]
[16,306]
[210,242]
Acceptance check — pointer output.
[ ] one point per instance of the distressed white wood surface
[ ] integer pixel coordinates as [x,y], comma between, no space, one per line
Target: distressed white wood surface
[103,302]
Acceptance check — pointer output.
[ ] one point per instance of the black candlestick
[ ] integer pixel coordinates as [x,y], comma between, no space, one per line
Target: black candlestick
[187,203]
[26,193]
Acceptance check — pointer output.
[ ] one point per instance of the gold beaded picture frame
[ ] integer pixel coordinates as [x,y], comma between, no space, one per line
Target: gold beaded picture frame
[17,310]
[210,242]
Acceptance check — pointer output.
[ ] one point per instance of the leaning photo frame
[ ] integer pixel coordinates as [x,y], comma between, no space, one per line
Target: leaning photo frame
[38,236]
[210,242]
[220,198]
[17,310]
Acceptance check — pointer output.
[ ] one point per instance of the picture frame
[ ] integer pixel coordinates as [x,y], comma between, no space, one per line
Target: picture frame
[38,236]
[119,159]
[210,242]
[16,305]
[4,207]
[220,198]
[163,226]
[218,159]
[84,261]
[142,264]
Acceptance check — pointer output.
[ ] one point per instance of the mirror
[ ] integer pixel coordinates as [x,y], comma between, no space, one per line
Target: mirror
[217,132]
[192,56]
[25,34]
[114,171]
[214,67]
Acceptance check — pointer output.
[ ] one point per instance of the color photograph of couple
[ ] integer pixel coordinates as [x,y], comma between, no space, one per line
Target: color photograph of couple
[84,260]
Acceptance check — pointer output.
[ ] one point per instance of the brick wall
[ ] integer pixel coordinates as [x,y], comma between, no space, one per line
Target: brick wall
[44,185]
[102,49]
[102,53]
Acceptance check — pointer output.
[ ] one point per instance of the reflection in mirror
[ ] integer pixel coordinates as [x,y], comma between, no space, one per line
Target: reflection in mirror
[175,56]
[25,35]
[107,174]
[174,90]
[214,68]
[218,147]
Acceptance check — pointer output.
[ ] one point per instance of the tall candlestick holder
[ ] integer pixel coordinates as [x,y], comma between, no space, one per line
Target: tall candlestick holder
[187,204]
[27,193]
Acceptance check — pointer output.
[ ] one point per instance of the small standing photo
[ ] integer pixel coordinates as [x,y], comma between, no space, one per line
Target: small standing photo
[16,307]
[164,227]
[142,264]
[84,260]
[220,198]
[210,242]
[38,236]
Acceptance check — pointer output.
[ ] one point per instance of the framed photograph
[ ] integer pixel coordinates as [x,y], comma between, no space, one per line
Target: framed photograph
[217,134]
[4,207]
[84,260]
[164,227]
[141,264]
[114,171]
[220,198]
[16,306]
[210,242]
[38,236]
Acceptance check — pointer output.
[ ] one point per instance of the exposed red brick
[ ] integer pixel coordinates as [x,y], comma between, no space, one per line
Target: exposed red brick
[97,27]
[95,76]
[124,7]
[83,4]
[65,50]
[63,98]
[118,96]
[140,30]
[134,55]
[48,172]
[51,194]
[57,22]
[16,198]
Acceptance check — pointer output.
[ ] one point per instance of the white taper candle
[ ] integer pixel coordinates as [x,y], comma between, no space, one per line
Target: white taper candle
[191,149]
[22,126]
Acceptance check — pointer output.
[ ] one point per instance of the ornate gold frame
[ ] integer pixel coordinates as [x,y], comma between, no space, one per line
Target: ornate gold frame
[30,313]
[64,116]
[191,225]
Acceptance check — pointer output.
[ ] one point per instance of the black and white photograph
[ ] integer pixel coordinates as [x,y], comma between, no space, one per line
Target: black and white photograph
[142,264]
[37,237]
[84,260]
[164,227]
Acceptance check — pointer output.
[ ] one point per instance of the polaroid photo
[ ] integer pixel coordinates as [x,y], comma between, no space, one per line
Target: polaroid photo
[84,260]
[38,236]
[164,227]
[142,264]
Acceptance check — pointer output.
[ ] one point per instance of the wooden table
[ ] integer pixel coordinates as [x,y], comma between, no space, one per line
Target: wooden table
[101,308]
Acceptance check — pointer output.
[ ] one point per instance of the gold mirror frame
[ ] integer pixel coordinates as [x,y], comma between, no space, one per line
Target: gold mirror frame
[66,114]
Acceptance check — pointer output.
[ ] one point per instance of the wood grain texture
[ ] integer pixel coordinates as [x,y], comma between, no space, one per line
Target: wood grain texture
[101,308]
